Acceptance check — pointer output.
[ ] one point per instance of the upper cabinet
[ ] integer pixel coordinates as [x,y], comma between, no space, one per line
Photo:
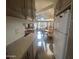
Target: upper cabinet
[20,8]
[61,6]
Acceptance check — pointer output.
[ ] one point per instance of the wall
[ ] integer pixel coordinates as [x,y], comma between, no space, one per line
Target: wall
[69,53]
[60,35]
[14,29]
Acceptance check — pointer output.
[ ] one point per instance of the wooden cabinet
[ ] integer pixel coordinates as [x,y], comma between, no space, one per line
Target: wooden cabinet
[21,48]
[66,2]
[29,53]
[20,8]
[62,5]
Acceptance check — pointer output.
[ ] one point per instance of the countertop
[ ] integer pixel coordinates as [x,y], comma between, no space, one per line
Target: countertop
[19,47]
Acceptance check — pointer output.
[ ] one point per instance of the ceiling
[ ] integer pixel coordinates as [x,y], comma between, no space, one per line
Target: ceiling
[45,8]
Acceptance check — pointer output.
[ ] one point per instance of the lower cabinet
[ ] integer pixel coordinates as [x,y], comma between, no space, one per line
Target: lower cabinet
[29,53]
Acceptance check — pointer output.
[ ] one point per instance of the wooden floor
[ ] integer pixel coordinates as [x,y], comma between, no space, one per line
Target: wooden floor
[45,51]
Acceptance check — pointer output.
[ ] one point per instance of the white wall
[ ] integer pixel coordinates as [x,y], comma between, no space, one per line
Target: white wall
[14,29]
[60,35]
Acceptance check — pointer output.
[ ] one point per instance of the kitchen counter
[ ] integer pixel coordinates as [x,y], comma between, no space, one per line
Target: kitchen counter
[17,49]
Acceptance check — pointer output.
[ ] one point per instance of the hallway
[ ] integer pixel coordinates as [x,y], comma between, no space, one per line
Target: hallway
[38,29]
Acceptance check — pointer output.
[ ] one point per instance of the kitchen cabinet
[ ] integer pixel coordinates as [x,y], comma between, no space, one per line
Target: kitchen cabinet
[61,6]
[20,8]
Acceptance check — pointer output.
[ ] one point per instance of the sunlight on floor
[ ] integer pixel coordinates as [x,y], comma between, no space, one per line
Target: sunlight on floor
[40,43]
[49,52]
[39,35]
